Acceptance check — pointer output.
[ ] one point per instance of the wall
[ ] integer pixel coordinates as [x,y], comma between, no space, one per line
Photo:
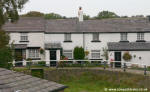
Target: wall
[38,40]
[35,40]
[145,58]
[77,40]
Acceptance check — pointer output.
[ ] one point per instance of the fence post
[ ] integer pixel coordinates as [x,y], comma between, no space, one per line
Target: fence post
[145,69]
[104,65]
[124,67]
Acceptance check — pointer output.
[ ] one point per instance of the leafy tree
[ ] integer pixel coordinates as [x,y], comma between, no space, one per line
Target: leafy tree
[4,39]
[106,14]
[105,53]
[79,53]
[33,14]
[8,10]
[86,17]
[5,57]
[54,16]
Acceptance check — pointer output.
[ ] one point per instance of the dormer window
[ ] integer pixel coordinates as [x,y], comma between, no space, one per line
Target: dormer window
[67,37]
[24,37]
[95,37]
[124,37]
[140,37]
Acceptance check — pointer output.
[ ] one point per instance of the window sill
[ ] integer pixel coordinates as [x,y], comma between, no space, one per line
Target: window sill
[124,41]
[67,41]
[96,41]
[140,41]
[23,41]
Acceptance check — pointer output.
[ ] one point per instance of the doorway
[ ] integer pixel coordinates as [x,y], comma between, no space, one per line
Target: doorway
[53,57]
[118,58]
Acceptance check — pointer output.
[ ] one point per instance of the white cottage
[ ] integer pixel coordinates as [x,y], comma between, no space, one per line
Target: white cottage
[61,36]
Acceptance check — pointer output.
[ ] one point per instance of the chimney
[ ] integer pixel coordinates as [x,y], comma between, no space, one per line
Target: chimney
[80,14]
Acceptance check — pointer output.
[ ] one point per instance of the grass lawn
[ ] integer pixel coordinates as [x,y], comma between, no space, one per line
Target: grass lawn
[85,80]
[91,82]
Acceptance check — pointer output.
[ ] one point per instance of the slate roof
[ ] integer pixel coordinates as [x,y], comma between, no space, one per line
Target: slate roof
[20,46]
[34,24]
[129,46]
[37,24]
[11,81]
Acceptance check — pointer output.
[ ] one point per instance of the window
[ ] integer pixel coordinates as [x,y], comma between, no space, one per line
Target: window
[33,53]
[68,54]
[124,36]
[95,54]
[68,37]
[96,37]
[140,36]
[24,37]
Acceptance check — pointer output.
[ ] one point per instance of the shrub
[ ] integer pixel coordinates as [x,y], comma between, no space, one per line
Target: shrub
[6,57]
[42,63]
[37,73]
[42,51]
[127,56]
[79,53]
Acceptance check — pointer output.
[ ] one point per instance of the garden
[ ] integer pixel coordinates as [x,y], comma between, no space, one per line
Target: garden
[88,80]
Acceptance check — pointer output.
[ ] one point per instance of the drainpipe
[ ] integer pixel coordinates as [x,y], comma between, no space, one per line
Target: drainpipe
[84,40]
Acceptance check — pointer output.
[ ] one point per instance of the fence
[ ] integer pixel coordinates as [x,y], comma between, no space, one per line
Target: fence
[88,63]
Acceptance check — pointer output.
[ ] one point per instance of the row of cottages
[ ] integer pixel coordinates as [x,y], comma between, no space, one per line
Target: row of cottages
[32,35]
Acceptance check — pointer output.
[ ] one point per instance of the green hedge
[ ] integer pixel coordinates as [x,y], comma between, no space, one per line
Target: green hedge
[6,57]
[42,63]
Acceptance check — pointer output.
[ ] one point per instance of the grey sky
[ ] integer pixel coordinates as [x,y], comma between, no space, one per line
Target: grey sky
[69,8]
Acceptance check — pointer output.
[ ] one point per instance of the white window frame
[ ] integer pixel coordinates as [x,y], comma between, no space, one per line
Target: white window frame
[95,52]
[33,53]
[67,36]
[68,52]
[140,36]
[124,36]
[95,36]
[23,36]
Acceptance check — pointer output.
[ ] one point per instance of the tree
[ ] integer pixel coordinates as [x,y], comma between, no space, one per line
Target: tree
[86,17]
[5,57]
[4,39]
[53,16]
[33,14]
[79,53]
[106,14]
[8,10]
[105,53]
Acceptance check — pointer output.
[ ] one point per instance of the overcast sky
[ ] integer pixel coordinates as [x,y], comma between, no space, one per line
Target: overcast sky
[69,8]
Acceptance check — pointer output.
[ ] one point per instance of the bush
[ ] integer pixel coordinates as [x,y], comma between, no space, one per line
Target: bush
[6,57]
[37,73]
[79,53]
[127,56]
[42,63]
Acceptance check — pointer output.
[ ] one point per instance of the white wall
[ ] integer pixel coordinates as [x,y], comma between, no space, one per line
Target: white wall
[38,40]
[77,40]
[145,57]
[35,39]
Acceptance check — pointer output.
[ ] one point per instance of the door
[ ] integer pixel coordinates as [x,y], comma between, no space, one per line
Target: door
[53,57]
[18,55]
[118,58]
